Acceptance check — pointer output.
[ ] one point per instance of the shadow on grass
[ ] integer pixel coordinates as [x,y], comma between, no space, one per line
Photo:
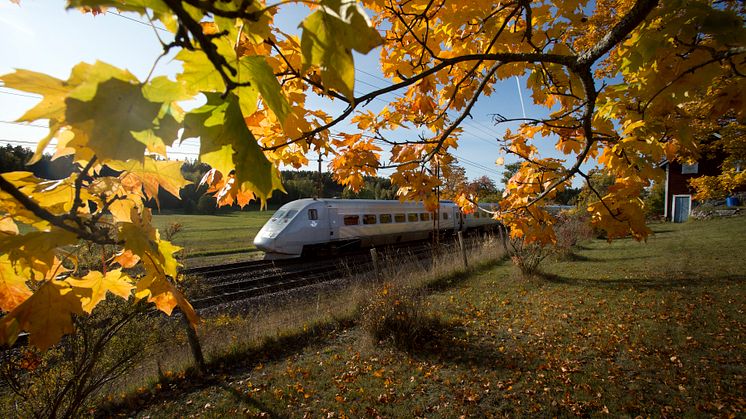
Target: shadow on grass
[576,257]
[445,342]
[449,281]
[231,364]
[246,399]
[661,283]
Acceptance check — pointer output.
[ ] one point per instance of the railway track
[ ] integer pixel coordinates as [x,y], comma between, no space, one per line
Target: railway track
[239,281]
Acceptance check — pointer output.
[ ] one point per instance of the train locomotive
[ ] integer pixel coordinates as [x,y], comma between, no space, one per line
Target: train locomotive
[321,226]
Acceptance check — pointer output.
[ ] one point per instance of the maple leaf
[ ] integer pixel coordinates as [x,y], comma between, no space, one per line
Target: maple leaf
[46,315]
[143,240]
[254,76]
[53,91]
[152,174]
[226,144]
[39,246]
[164,295]
[329,36]
[116,112]
[13,288]
[126,259]
[95,285]
[256,71]
[8,226]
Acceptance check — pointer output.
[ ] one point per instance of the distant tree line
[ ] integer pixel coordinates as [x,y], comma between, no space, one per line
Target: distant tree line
[193,200]
[14,158]
[307,184]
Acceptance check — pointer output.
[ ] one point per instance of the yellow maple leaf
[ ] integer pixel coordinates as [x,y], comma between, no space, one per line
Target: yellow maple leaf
[152,174]
[98,284]
[13,288]
[46,315]
[8,226]
[159,291]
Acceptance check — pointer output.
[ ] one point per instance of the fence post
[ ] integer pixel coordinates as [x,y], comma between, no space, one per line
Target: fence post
[374,257]
[503,238]
[462,248]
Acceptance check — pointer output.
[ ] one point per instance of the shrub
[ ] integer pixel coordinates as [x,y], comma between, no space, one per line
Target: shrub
[397,315]
[655,200]
[64,380]
[527,256]
[571,229]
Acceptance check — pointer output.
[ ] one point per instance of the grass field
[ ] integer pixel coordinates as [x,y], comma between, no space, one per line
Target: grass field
[215,238]
[651,329]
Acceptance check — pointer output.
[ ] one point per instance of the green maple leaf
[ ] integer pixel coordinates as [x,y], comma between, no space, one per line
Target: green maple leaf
[329,36]
[256,70]
[253,74]
[227,144]
[116,112]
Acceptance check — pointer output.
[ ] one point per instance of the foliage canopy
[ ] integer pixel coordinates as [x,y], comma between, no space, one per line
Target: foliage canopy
[625,83]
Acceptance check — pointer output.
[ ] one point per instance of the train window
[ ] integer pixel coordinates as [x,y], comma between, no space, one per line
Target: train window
[400,218]
[313,214]
[289,215]
[385,218]
[277,215]
[445,215]
[412,217]
[352,220]
[424,216]
[369,219]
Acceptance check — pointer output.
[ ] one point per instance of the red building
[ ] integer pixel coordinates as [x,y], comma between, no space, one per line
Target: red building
[678,199]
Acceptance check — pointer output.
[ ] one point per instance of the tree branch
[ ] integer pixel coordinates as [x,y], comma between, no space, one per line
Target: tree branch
[97,236]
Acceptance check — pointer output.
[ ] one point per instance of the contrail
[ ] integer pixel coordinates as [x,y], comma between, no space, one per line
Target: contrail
[520,95]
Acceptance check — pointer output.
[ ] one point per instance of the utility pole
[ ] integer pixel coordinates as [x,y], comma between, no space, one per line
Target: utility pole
[320,187]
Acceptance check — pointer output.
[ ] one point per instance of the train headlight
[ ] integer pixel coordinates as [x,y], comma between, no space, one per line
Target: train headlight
[270,234]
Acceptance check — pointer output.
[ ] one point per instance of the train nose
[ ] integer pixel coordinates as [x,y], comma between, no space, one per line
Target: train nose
[265,241]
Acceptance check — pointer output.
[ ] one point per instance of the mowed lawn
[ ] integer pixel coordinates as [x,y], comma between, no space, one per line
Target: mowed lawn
[214,235]
[625,329]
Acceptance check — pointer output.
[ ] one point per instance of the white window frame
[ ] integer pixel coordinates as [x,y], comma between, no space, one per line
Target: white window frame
[690,169]
[673,206]
[665,204]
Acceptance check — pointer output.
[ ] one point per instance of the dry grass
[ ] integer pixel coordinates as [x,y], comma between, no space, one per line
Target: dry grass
[296,317]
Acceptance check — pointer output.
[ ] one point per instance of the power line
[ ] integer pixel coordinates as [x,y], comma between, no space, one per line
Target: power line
[23,124]
[22,142]
[148,24]
[20,94]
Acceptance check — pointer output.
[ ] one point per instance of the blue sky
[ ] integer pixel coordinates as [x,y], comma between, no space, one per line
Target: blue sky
[47,38]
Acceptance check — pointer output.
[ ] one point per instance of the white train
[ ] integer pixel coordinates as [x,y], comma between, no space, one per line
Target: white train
[310,226]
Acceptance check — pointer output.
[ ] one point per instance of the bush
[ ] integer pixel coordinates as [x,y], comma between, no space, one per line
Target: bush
[64,380]
[571,229]
[527,256]
[397,315]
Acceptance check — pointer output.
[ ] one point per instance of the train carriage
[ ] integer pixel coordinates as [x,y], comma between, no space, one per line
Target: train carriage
[310,226]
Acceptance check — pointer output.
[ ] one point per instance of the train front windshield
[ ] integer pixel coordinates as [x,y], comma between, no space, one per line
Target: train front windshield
[283,216]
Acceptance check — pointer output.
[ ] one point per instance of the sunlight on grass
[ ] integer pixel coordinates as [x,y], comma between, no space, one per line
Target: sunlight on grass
[216,238]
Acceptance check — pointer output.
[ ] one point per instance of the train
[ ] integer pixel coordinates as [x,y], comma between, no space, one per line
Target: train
[313,226]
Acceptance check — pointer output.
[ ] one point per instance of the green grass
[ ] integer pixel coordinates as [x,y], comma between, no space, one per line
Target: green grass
[651,329]
[205,236]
